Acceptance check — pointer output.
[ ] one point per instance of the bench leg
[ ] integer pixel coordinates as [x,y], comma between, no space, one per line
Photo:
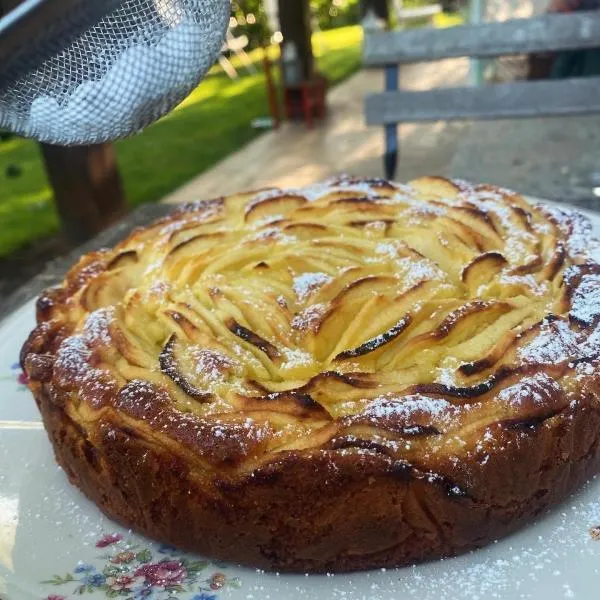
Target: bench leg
[392,78]
[391,151]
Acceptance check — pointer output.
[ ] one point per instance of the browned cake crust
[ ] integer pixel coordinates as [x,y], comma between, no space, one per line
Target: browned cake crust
[356,375]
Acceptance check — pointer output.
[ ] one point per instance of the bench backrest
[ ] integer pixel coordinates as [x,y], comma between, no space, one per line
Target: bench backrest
[548,33]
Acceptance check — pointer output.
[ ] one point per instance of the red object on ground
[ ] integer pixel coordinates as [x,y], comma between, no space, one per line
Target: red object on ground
[306,100]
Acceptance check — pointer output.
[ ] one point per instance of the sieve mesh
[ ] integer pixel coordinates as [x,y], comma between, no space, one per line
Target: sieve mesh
[112,78]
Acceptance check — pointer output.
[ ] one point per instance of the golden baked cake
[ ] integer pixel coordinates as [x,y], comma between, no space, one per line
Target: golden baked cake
[354,375]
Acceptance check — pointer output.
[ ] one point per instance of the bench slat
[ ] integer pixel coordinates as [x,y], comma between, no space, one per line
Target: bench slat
[494,101]
[520,36]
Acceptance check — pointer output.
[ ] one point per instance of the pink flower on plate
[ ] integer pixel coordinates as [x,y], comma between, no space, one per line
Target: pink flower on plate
[122,583]
[163,574]
[109,540]
[55,597]
[22,378]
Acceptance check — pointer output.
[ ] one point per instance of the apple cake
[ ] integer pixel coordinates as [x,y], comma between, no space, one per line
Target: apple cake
[353,375]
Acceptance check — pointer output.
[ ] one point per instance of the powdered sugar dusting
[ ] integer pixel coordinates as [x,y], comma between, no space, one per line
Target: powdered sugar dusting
[268,220]
[414,271]
[307,283]
[73,357]
[526,281]
[339,184]
[310,318]
[210,364]
[97,326]
[585,369]
[405,407]
[446,376]
[73,371]
[555,342]
[270,234]
[575,226]
[536,391]
[171,228]
[296,357]
[263,195]
[388,249]
[585,305]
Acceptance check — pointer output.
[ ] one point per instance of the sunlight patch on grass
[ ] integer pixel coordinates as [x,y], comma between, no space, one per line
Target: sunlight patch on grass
[33,202]
[346,37]
[443,20]
[26,217]
[11,145]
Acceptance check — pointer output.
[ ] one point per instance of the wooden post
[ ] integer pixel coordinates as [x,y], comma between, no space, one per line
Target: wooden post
[87,188]
[271,89]
[294,17]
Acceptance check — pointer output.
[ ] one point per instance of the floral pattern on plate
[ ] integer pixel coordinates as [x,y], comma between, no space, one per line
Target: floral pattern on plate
[134,572]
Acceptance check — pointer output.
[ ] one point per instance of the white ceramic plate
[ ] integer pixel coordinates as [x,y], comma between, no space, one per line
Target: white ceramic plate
[54,544]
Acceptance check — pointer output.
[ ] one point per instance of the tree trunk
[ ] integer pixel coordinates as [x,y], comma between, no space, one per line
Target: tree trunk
[87,188]
[294,17]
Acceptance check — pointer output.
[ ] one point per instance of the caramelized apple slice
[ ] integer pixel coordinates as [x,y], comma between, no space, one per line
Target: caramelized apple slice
[252,338]
[458,326]
[377,342]
[194,369]
[123,259]
[273,206]
[182,257]
[479,221]
[308,231]
[435,187]
[500,328]
[136,349]
[482,270]
[107,289]
[436,249]
[344,308]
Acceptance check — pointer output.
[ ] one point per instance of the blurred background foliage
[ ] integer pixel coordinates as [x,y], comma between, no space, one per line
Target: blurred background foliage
[252,18]
[253,21]
[329,14]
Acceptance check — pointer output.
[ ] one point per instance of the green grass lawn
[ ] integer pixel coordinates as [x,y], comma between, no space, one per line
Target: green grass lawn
[212,123]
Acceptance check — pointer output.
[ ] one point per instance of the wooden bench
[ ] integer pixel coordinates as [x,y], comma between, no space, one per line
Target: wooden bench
[520,99]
